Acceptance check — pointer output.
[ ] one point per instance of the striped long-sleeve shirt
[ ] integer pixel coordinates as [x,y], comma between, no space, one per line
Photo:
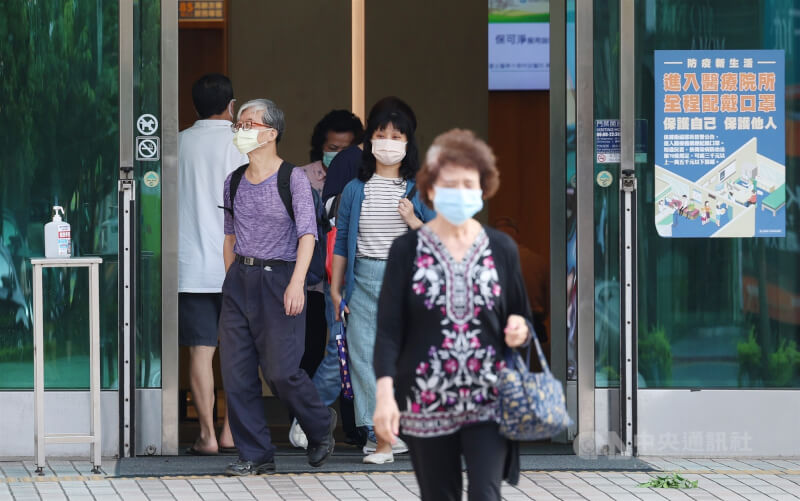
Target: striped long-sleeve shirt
[380,222]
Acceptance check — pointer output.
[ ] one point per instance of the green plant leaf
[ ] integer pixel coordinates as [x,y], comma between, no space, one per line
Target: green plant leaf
[673,481]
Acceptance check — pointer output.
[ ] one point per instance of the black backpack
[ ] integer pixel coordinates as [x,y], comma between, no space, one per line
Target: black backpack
[316,270]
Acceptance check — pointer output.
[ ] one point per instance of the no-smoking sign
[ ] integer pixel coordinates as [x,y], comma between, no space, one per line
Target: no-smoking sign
[148,149]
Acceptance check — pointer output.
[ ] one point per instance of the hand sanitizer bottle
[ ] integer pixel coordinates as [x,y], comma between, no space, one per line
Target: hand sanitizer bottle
[57,236]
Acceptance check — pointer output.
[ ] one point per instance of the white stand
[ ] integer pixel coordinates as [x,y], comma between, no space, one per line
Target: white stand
[39,437]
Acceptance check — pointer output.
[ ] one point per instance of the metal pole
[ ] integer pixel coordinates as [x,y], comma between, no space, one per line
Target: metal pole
[127,308]
[558,195]
[169,227]
[628,186]
[357,58]
[127,234]
[628,386]
[38,370]
[584,59]
[94,359]
[126,84]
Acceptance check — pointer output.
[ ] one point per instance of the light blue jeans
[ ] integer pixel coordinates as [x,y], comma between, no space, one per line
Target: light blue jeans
[327,379]
[361,331]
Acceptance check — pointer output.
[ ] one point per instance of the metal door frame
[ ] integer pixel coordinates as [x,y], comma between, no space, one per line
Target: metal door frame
[127,237]
[580,394]
[584,128]
[558,159]
[169,227]
[128,417]
[761,420]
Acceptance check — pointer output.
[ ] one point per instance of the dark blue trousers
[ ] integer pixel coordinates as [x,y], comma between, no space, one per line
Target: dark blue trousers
[254,331]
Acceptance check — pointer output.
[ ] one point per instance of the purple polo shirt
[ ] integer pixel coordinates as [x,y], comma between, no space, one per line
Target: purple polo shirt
[262,227]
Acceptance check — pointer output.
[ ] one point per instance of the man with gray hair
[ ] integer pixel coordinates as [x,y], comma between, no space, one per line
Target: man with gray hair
[267,253]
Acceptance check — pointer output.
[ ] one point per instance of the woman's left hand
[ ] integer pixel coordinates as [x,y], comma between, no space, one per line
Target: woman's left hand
[516,331]
[406,210]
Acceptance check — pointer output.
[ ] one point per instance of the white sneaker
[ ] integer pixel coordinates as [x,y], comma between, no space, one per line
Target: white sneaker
[399,447]
[379,458]
[297,437]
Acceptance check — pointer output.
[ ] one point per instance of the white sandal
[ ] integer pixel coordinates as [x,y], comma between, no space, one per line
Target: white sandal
[379,458]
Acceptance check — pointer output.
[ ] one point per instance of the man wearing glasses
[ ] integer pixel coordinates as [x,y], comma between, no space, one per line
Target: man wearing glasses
[206,156]
[267,253]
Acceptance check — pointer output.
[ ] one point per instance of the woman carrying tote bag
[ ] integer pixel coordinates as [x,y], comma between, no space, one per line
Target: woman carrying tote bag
[453,301]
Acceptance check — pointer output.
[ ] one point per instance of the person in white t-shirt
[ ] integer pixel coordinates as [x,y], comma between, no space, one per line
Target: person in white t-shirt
[206,155]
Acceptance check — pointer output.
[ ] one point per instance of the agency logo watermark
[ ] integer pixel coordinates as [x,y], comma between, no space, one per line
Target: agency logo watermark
[609,444]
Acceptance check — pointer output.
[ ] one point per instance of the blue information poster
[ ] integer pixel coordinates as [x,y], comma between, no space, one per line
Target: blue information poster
[720,143]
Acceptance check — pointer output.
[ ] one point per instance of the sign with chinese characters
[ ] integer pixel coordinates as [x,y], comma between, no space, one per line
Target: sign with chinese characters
[607,141]
[201,10]
[720,163]
[519,44]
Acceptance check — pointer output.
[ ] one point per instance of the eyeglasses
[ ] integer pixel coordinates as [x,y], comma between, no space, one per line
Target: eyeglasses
[247,125]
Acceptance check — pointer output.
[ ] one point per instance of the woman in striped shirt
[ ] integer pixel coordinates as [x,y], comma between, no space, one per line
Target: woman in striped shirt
[377,207]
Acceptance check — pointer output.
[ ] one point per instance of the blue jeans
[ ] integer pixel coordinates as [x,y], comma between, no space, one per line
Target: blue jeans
[327,379]
[361,331]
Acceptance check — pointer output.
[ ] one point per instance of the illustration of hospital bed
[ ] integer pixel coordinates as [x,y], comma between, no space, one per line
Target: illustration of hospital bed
[775,200]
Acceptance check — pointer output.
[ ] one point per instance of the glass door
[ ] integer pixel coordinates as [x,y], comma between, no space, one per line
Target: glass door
[715,93]
[143,152]
[58,146]
[147,164]
[697,101]
[81,94]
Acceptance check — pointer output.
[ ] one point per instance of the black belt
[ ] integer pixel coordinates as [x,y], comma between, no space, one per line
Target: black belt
[254,261]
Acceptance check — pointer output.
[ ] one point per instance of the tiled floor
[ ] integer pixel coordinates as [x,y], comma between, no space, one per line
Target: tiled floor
[726,479]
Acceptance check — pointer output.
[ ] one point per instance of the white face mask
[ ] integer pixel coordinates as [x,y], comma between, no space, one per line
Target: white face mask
[247,141]
[389,151]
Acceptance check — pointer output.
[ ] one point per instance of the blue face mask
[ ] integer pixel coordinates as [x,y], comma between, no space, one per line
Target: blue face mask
[457,205]
[327,157]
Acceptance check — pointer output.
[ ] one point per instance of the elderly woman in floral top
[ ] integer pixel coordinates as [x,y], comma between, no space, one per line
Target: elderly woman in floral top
[453,300]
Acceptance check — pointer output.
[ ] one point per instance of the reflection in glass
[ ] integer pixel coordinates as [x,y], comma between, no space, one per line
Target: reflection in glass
[571,201]
[717,313]
[58,145]
[606,200]
[147,100]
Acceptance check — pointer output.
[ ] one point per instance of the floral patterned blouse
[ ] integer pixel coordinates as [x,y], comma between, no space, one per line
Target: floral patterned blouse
[440,328]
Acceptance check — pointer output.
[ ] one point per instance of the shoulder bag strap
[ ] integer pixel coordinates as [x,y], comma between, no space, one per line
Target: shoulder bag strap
[236,178]
[285,188]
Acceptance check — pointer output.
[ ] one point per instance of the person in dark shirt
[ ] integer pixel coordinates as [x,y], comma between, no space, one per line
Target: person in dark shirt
[536,272]
[452,301]
[338,130]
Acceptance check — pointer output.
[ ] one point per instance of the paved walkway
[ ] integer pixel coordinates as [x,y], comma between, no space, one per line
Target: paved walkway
[726,479]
